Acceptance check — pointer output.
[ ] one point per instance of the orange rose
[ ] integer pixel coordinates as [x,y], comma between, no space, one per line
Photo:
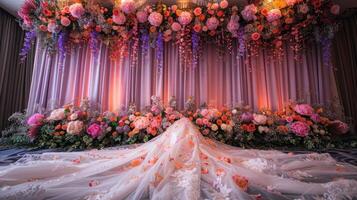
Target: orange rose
[255,36]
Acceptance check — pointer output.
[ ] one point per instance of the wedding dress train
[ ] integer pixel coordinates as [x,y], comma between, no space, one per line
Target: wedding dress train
[178,164]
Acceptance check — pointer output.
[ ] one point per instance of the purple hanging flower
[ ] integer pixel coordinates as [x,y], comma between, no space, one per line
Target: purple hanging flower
[93,42]
[159,50]
[28,41]
[241,42]
[195,48]
[144,37]
[326,51]
[62,39]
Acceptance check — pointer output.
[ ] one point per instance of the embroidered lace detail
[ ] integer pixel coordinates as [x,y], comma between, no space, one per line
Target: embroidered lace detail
[189,181]
[297,174]
[257,164]
[223,191]
[341,189]
[29,191]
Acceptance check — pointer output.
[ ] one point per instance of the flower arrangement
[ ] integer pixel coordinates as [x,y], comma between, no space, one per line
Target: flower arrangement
[81,127]
[265,24]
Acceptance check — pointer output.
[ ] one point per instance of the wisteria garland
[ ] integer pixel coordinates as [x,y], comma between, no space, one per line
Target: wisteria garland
[62,50]
[195,38]
[241,42]
[94,43]
[30,37]
[145,43]
[326,51]
[159,50]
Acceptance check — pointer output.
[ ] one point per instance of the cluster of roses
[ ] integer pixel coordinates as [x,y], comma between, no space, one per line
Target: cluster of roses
[267,21]
[300,119]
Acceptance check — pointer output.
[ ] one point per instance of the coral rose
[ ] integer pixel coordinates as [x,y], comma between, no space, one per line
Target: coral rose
[65,21]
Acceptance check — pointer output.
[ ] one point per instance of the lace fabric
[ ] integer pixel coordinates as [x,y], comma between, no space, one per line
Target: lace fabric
[179,164]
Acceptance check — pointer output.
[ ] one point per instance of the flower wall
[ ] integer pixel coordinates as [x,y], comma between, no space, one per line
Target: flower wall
[268,24]
[298,125]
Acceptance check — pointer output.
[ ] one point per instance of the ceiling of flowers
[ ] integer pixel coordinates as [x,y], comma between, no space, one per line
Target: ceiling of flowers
[141,25]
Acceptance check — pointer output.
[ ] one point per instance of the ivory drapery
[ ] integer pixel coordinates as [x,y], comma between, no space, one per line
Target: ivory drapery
[261,81]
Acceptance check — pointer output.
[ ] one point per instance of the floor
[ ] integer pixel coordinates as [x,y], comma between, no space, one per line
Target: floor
[8,156]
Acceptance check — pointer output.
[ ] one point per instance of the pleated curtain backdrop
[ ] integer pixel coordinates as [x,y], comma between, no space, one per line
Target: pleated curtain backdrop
[260,81]
[15,77]
[345,57]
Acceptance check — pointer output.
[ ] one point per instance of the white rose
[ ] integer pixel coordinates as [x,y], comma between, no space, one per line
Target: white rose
[57,114]
[224,126]
[73,117]
[132,117]
[75,127]
[234,111]
[214,127]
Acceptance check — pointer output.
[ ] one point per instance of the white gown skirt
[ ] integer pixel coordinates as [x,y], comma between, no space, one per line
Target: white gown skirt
[178,164]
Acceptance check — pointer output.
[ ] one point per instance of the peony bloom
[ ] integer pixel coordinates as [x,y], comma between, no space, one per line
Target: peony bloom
[75,127]
[338,127]
[36,119]
[212,23]
[223,4]
[185,18]
[274,15]
[259,119]
[128,6]
[248,13]
[142,16]
[141,123]
[304,109]
[57,114]
[300,129]
[255,36]
[335,9]
[94,130]
[233,25]
[155,19]
[303,9]
[119,19]
[197,11]
[246,117]
[175,26]
[65,21]
[51,27]
[76,10]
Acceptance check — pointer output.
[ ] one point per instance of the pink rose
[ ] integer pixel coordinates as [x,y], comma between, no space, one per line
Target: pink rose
[215,6]
[304,109]
[155,19]
[335,9]
[290,2]
[204,112]
[197,28]
[75,127]
[315,118]
[289,119]
[36,119]
[128,6]
[155,123]
[94,130]
[185,18]
[255,36]
[338,127]
[273,15]
[197,11]
[205,121]
[304,9]
[300,129]
[76,10]
[212,23]
[199,122]
[223,4]
[142,16]
[119,19]
[249,11]
[51,27]
[259,119]
[175,26]
[65,21]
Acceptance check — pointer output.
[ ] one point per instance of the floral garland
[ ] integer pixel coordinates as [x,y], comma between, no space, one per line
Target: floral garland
[266,24]
[298,125]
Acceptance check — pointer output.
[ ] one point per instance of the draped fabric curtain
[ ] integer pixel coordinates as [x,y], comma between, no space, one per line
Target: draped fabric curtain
[15,77]
[345,56]
[227,80]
